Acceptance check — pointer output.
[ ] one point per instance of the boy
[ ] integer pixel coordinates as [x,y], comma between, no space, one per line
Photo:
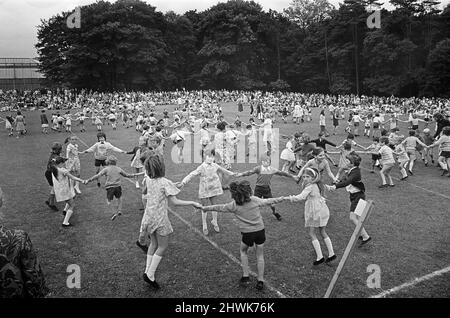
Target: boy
[113,183]
[100,150]
[265,173]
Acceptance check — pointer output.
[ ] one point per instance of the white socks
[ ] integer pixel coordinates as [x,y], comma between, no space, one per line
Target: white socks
[149,262]
[67,217]
[244,264]
[329,246]
[205,226]
[153,266]
[318,250]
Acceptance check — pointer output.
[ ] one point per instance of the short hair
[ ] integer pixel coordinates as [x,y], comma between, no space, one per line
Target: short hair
[412,132]
[221,126]
[354,158]
[377,139]
[384,140]
[111,160]
[350,136]
[347,146]
[101,134]
[241,192]
[154,165]
[446,130]
[317,151]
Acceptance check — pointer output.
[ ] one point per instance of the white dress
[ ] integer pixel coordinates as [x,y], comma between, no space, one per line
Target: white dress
[288,153]
[62,186]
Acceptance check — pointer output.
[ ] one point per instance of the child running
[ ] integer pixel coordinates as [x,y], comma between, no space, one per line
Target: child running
[113,183]
[316,212]
[265,173]
[63,188]
[155,221]
[73,161]
[247,211]
[100,150]
[210,187]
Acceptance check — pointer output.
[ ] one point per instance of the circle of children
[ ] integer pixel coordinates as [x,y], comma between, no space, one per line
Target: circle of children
[218,150]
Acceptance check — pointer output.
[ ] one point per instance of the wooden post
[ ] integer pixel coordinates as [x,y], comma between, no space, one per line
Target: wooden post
[351,244]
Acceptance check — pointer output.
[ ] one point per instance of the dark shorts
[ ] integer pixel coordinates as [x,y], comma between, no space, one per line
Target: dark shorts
[445,154]
[113,192]
[415,127]
[376,157]
[356,124]
[335,122]
[258,238]
[263,192]
[354,199]
[99,163]
[112,120]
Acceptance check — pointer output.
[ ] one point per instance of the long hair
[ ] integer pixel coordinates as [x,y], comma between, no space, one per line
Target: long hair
[154,165]
[241,192]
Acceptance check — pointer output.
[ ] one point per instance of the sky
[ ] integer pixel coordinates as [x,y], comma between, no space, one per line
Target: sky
[19,18]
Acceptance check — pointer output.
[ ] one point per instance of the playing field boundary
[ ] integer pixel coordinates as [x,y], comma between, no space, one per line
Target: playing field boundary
[413,282]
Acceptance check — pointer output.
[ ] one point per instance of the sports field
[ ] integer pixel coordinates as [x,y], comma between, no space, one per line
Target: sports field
[409,228]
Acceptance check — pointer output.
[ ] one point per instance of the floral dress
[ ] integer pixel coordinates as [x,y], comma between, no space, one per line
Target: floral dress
[73,161]
[62,186]
[155,218]
[209,185]
[316,210]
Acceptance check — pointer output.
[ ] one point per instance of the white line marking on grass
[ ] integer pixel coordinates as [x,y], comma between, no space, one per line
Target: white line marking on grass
[223,251]
[416,186]
[412,283]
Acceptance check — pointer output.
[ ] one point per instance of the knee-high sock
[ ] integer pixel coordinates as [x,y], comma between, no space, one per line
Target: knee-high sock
[244,264]
[260,265]
[214,215]
[153,266]
[317,248]
[66,207]
[67,217]
[148,263]
[204,214]
[329,246]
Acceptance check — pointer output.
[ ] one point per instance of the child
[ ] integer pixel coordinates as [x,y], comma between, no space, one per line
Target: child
[388,162]
[316,212]
[113,185]
[9,122]
[288,155]
[246,209]
[344,150]
[367,125]
[322,143]
[374,149]
[55,153]
[44,122]
[68,123]
[135,160]
[427,140]
[318,163]
[353,184]
[411,143]
[210,187]
[81,120]
[100,150]
[265,173]
[73,161]
[98,122]
[444,156]
[402,158]
[63,188]
[155,221]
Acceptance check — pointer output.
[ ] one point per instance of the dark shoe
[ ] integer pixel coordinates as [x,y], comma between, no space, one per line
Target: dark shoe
[153,284]
[372,171]
[392,185]
[404,178]
[98,184]
[360,237]
[260,285]
[48,203]
[142,247]
[365,242]
[331,258]
[383,186]
[244,280]
[278,216]
[320,261]
[410,172]
[67,225]
[54,208]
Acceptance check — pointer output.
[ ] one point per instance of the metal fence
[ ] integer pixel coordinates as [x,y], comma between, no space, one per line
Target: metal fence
[20,74]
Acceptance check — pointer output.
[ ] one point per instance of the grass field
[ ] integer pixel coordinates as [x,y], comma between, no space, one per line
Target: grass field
[409,226]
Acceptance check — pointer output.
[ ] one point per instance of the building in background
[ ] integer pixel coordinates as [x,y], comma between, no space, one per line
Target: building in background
[21,74]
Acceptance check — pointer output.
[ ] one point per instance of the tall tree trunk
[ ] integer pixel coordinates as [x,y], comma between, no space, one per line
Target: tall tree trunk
[326,59]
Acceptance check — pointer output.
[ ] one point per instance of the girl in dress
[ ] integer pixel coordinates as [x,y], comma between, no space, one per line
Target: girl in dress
[73,161]
[135,160]
[155,221]
[316,212]
[63,188]
[98,122]
[20,124]
[210,187]
[288,155]
[9,122]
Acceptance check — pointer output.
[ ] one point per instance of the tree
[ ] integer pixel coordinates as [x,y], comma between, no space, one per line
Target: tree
[438,70]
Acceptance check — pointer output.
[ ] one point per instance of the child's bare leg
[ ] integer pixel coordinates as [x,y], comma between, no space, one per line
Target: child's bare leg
[205,202]
[214,201]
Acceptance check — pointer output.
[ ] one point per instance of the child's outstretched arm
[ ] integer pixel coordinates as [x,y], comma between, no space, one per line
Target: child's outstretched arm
[74,178]
[228,207]
[177,201]
[248,173]
[130,175]
[188,178]
[225,171]
[299,197]
[271,201]
[98,175]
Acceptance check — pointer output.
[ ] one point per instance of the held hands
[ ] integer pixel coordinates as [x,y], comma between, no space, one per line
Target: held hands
[179,184]
[197,205]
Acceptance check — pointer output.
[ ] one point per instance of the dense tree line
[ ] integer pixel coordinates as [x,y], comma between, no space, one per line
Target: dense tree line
[310,47]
